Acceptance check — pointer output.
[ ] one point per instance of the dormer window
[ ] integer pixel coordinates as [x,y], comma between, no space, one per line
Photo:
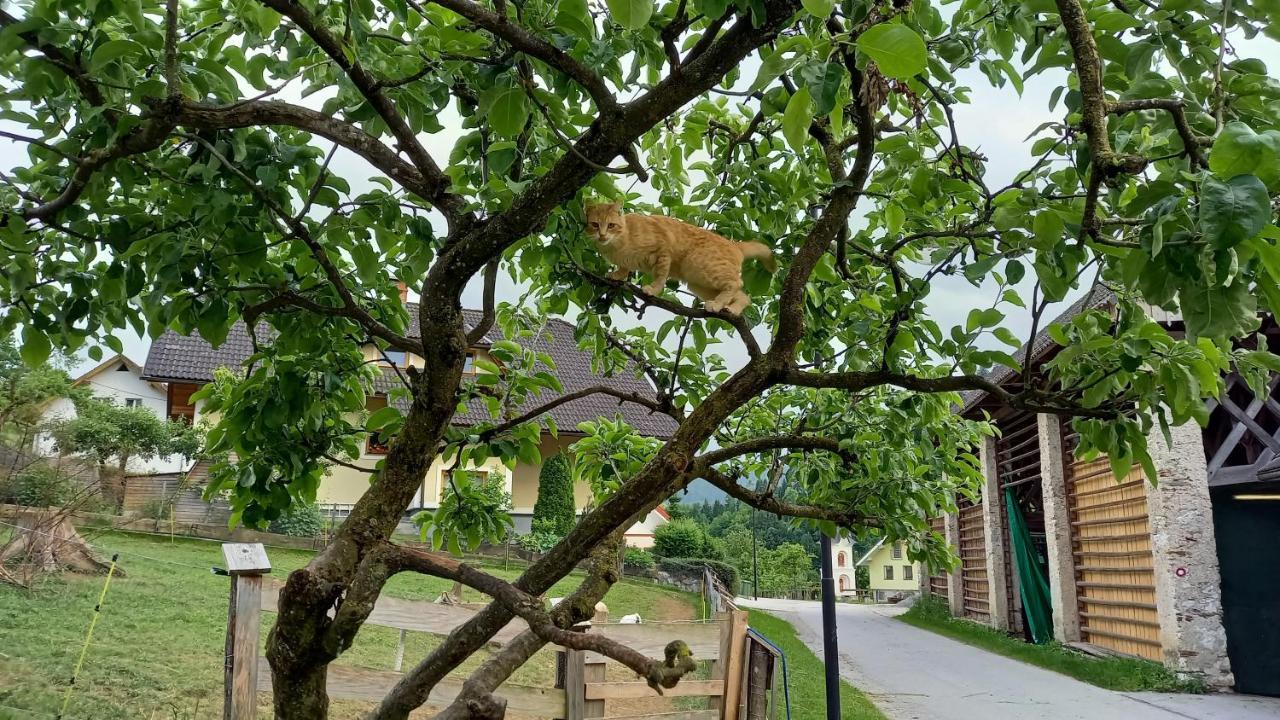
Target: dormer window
[469,364]
[393,357]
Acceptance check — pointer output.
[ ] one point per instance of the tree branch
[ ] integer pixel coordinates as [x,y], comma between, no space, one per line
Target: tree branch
[677,308]
[437,182]
[526,42]
[1176,107]
[1029,400]
[297,228]
[775,442]
[768,503]
[621,395]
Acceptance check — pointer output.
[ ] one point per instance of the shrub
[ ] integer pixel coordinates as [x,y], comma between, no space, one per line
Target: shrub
[299,520]
[542,539]
[638,558]
[555,496]
[682,539]
[41,486]
[727,573]
[155,509]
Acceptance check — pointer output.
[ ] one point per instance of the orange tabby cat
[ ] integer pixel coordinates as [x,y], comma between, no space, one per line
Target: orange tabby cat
[664,247]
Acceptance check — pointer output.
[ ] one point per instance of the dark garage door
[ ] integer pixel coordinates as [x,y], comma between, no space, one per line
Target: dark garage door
[1246,520]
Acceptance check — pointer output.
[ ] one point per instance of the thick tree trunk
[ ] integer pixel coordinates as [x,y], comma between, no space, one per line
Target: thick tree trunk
[323,605]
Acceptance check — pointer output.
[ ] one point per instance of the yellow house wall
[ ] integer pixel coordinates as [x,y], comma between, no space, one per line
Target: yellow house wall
[884,556]
[345,485]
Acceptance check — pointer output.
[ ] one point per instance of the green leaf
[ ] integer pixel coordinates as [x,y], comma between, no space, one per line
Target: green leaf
[506,109]
[1240,151]
[796,119]
[823,81]
[1233,211]
[112,49]
[898,50]
[573,17]
[1211,310]
[35,346]
[631,14]
[1048,228]
[819,8]
[382,418]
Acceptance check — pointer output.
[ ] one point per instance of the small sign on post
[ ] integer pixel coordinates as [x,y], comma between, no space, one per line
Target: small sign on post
[246,564]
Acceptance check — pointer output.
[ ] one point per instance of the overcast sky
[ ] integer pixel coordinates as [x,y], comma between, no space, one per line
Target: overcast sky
[995,123]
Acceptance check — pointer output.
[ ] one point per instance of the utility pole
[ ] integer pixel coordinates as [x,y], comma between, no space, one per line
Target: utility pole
[830,650]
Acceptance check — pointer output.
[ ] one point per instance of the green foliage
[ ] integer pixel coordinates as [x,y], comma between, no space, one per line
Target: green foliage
[727,573]
[638,559]
[115,433]
[540,539]
[555,506]
[299,520]
[1113,673]
[610,452]
[40,485]
[682,539]
[25,391]
[897,50]
[470,513]
[786,567]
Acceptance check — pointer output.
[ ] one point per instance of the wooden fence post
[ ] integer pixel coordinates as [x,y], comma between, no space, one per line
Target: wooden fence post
[732,647]
[759,680]
[246,563]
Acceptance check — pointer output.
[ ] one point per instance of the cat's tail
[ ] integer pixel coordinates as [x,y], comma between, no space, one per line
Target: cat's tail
[759,251]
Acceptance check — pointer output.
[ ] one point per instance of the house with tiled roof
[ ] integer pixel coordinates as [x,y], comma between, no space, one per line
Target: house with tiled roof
[185,363]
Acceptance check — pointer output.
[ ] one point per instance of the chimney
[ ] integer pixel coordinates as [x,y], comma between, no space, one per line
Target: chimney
[404,291]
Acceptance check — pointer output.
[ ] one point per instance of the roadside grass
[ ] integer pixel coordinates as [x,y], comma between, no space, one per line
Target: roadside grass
[1112,673]
[807,675]
[157,650]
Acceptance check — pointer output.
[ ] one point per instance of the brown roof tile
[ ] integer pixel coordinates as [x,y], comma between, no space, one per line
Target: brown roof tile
[189,358]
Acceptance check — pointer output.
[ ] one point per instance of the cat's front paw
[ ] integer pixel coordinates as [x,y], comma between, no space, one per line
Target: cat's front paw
[654,289]
[619,274]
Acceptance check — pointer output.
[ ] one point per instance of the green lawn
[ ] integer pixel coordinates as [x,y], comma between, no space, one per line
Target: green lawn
[158,645]
[806,674]
[1113,673]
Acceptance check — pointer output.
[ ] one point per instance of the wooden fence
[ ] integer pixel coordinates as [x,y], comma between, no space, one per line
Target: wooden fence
[586,691]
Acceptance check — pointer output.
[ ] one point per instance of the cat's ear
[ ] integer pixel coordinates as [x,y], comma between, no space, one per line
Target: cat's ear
[616,207]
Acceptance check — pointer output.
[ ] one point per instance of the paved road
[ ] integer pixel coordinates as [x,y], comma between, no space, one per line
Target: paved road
[913,674]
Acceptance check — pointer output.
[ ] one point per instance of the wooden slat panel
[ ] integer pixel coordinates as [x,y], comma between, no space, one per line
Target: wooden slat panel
[679,715]
[622,690]
[938,580]
[1111,539]
[415,615]
[973,563]
[652,638]
[353,683]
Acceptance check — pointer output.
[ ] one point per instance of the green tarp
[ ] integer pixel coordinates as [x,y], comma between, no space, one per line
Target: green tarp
[1033,581]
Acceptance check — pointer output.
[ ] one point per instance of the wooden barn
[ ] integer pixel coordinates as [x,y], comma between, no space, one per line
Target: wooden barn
[1170,571]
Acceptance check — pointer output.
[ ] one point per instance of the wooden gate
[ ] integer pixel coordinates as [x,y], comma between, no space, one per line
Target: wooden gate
[973,562]
[938,576]
[1111,544]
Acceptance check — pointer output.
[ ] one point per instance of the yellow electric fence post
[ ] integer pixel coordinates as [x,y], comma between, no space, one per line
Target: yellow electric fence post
[88,636]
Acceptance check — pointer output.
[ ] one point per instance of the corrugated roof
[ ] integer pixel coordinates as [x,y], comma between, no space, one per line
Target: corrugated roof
[190,358]
[1041,344]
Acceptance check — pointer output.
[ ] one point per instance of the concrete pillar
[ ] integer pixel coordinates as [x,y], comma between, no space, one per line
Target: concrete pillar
[1185,559]
[1057,530]
[955,581]
[992,525]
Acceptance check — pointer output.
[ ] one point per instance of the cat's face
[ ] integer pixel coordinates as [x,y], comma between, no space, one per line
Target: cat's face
[604,222]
